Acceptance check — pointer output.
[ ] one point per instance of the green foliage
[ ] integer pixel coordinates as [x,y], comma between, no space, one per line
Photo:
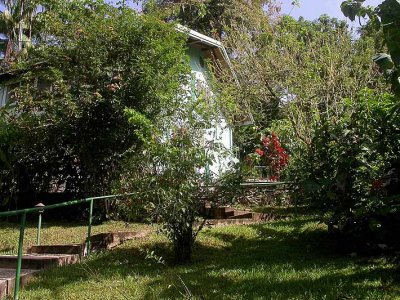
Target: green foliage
[211,17]
[90,63]
[387,17]
[170,172]
[298,74]
[345,169]
[3,129]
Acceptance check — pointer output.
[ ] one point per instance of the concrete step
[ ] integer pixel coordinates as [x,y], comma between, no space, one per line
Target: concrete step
[216,222]
[38,261]
[7,280]
[241,215]
[107,241]
[229,212]
[102,241]
[226,212]
[58,249]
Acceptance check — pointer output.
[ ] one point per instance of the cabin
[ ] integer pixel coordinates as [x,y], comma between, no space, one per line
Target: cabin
[201,49]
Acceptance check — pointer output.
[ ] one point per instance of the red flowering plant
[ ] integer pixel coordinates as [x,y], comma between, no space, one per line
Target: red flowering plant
[272,155]
[377,185]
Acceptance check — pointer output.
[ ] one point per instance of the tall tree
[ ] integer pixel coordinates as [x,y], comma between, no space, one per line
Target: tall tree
[16,24]
[297,71]
[385,16]
[211,17]
[69,121]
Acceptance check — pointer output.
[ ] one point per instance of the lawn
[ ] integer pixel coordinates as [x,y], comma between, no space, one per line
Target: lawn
[284,259]
[55,233]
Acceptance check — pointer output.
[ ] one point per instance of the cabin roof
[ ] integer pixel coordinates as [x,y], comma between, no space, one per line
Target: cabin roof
[216,51]
[212,48]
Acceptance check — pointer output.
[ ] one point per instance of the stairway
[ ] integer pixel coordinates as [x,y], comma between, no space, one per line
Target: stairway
[230,215]
[31,264]
[7,280]
[48,256]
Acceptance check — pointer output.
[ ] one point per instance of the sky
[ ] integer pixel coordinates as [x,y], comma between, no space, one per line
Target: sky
[309,9]
[312,9]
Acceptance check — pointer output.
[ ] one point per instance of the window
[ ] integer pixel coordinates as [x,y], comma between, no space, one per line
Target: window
[7,93]
[3,95]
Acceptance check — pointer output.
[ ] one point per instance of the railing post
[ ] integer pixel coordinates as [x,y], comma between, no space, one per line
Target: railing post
[38,231]
[89,228]
[19,261]
[39,223]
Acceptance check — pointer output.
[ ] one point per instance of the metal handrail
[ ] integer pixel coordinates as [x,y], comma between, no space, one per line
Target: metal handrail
[41,209]
[58,205]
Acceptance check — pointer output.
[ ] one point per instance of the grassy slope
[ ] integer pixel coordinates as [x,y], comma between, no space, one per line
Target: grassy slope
[59,233]
[286,259]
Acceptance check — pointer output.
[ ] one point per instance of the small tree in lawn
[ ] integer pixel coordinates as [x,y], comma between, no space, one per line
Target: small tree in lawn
[169,172]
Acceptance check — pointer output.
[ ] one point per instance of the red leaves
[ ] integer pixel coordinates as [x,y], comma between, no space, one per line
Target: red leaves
[273,178]
[260,152]
[377,184]
[273,155]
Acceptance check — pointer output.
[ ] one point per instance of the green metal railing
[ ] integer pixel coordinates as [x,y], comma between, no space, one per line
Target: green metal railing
[40,209]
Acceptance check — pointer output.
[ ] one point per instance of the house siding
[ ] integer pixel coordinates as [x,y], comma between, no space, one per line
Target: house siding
[221,132]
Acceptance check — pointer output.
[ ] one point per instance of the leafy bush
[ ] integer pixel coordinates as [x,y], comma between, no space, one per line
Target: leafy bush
[385,16]
[91,61]
[351,167]
[169,173]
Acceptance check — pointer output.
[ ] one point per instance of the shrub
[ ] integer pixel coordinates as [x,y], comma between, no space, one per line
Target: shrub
[91,61]
[169,173]
[351,168]
[271,155]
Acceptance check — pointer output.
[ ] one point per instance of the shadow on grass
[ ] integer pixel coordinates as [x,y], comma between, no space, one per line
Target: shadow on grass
[287,211]
[282,260]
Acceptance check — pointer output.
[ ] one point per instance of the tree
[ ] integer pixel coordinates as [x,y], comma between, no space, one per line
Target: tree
[92,62]
[3,129]
[170,175]
[294,73]
[344,145]
[211,17]
[385,16]
[16,23]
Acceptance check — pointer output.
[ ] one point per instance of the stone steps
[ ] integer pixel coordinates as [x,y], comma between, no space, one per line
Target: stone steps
[229,213]
[241,215]
[38,261]
[58,249]
[7,280]
[47,256]
[107,241]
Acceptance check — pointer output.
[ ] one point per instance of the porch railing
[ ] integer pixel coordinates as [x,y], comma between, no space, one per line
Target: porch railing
[40,209]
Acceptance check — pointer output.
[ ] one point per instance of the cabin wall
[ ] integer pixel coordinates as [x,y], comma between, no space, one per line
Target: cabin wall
[221,132]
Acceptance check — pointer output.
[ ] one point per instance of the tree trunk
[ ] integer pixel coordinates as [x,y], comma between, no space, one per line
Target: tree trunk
[20,29]
[183,246]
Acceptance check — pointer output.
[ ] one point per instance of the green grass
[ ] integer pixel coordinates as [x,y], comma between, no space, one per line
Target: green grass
[55,233]
[285,259]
